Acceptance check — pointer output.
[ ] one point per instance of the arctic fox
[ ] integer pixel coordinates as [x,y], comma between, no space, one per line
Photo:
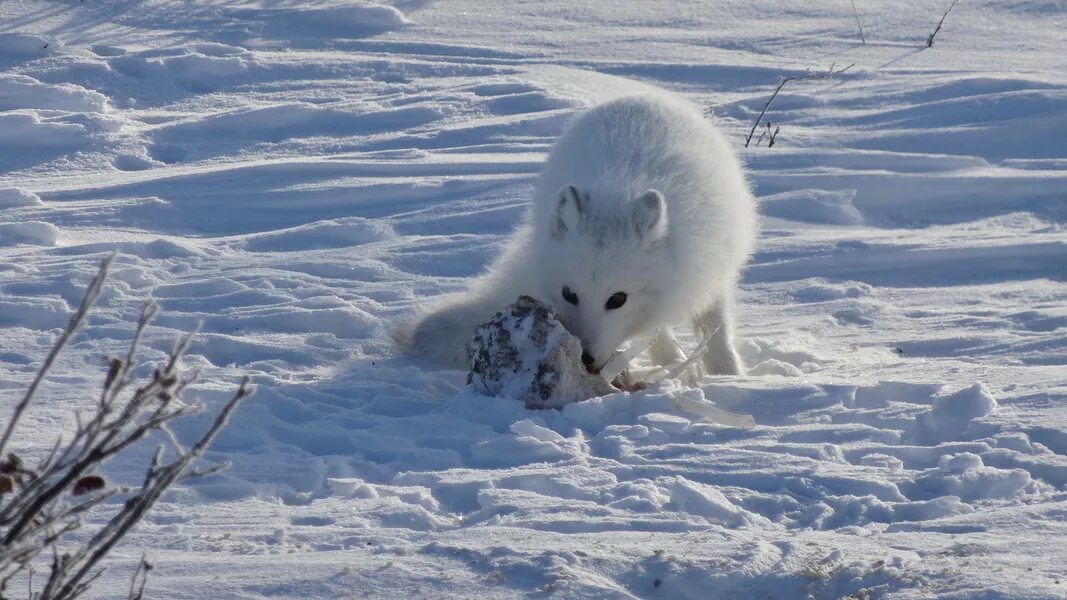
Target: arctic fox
[642,219]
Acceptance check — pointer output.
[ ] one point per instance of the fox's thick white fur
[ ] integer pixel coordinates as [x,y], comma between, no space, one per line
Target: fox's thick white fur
[640,195]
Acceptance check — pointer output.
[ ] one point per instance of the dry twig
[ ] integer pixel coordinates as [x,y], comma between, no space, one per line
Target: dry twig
[930,40]
[140,578]
[770,131]
[856,12]
[781,84]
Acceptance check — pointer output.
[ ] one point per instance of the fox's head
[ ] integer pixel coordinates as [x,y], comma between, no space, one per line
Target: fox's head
[604,266]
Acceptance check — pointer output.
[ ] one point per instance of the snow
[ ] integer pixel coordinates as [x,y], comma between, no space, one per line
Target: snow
[299,178]
[28,232]
[17,197]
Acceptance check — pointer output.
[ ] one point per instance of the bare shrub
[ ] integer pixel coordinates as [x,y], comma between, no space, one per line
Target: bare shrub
[40,505]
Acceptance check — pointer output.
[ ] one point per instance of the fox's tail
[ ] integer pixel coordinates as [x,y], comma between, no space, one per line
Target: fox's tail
[442,332]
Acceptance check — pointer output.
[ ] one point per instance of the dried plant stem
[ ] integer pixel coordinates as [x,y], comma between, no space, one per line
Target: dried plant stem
[781,84]
[76,322]
[856,12]
[930,40]
[139,579]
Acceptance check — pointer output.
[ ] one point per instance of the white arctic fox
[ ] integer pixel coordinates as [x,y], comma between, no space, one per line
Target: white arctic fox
[642,219]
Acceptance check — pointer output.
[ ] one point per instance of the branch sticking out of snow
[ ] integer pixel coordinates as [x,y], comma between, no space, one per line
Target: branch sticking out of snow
[856,12]
[815,75]
[930,40]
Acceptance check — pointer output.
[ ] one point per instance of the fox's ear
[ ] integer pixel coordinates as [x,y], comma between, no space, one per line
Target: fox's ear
[570,208]
[650,216]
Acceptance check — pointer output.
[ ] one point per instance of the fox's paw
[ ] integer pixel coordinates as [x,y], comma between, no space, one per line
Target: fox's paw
[723,360]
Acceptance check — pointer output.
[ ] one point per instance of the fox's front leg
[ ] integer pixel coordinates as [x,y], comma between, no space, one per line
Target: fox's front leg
[665,350]
[721,357]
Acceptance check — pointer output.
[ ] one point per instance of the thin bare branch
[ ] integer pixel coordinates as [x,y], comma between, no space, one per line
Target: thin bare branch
[76,322]
[140,578]
[773,135]
[856,12]
[760,138]
[781,84]
[930,40]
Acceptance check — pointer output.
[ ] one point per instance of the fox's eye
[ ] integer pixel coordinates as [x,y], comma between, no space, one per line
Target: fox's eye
[615,301]
[569,296]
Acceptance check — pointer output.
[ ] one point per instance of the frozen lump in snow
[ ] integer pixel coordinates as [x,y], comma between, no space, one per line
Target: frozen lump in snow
[524,352]
[18,197]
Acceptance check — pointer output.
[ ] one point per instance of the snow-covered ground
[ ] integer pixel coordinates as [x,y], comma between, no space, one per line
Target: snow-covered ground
[297,176]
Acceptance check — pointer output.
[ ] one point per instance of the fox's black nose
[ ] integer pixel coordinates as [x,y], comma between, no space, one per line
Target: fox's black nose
[587,359]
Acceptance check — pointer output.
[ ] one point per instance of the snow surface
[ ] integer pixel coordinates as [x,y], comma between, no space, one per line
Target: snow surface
[298,177]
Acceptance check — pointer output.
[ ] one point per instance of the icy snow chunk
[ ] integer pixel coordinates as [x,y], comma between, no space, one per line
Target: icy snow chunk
[704,501]
[185,66]
[664,422]
[354,487]
[520,450]
[1015,440]
[134,162]
[37,233]
[21,91]
[354,20]
[953,414]
[106,50]
[351,487]
[159,248]
[884,461]
[641,495]
[785,355]
[694,402]
[927,510]
[617,412]
[25,46]
[980,482]
[321,235]
[524,352]
[773,366]
[529,428]
[966,475]
[814,206]
[958,463]
[826,291]
[886,392]
[862,314]
[16,197]
[25,130]
[33,313]
[214,286]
